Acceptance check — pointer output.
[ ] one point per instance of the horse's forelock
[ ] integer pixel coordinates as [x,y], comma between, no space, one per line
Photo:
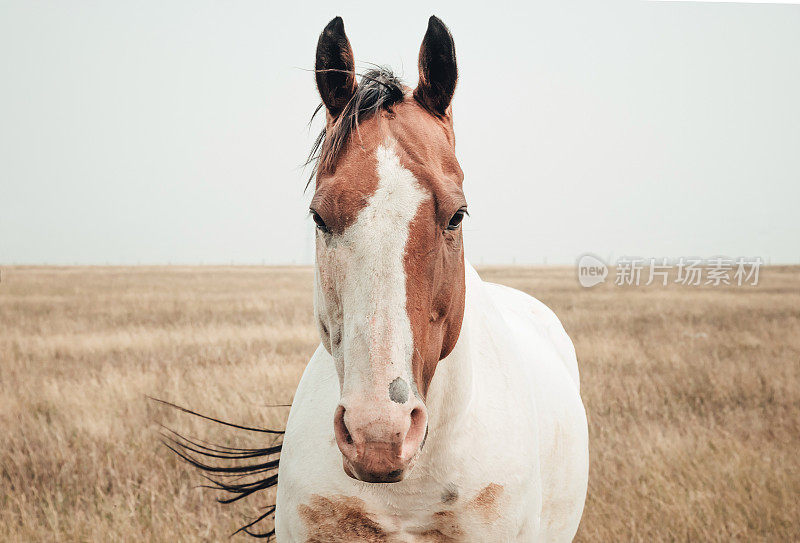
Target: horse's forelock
[378,90]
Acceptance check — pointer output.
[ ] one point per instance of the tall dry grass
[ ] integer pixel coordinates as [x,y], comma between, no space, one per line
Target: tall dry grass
[693,396]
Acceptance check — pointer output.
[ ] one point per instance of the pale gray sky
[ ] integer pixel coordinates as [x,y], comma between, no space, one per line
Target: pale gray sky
[155,132]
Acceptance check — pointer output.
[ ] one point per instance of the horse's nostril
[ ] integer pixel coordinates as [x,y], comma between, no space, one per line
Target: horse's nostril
[340,427]
[417,429]
[416,415]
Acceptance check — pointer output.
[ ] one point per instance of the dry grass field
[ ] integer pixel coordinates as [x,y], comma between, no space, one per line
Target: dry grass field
[693,397]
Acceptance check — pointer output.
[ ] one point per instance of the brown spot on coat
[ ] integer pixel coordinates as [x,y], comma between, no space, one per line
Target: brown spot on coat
[445,529]
[486,502]
[435,536]
[340,519]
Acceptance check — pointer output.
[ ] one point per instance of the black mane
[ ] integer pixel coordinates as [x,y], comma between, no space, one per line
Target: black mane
[239,472]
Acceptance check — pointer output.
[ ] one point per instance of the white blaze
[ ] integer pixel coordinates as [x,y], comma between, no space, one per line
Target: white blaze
[361,284]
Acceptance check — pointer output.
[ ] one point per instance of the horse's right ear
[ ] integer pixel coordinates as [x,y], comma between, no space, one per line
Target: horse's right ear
[335,67]
[438,73]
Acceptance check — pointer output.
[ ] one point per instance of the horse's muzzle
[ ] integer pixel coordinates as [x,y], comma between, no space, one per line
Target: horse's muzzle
[379,443]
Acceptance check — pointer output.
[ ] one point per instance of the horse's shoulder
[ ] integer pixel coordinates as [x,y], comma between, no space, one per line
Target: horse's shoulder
[519,306]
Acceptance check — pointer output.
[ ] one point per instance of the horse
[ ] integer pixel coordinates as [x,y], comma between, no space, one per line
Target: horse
[437,407]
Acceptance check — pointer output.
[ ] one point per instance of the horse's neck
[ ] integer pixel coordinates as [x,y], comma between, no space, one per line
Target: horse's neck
[454,387]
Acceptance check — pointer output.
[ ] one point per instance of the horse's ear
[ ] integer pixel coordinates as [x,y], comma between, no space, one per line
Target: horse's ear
[438,73]
[335,67]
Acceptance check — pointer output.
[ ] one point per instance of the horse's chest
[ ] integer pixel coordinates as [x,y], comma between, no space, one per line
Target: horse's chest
[340,518]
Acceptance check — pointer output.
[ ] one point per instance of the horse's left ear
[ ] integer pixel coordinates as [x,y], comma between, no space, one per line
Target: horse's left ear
[335,67]
[438,73]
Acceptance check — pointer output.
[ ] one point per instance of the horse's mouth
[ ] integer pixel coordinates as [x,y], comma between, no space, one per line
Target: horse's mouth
[394,476]
[380,467]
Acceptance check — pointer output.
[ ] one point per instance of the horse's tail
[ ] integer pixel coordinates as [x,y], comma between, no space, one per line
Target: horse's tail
[249,470]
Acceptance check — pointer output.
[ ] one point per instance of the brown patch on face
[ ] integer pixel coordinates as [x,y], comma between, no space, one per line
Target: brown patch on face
[338,198]
[340,519]
[434,258]
[486,502]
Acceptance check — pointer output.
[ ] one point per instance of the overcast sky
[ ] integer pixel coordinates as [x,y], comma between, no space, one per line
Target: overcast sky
[156,132]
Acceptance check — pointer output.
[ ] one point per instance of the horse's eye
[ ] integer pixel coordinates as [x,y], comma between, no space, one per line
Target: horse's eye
[455,221]
[318,221]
